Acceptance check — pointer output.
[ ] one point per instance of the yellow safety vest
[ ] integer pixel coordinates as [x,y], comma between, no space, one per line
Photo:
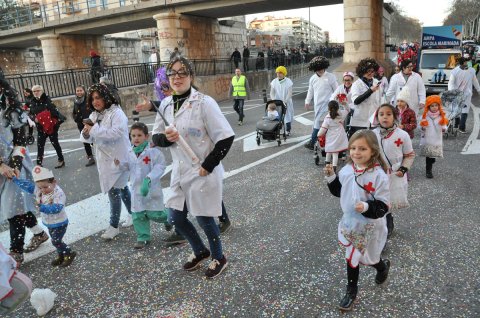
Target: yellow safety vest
[239,86]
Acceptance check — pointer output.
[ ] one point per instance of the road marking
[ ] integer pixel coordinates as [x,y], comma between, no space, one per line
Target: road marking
[303,120]
[250,143]
[473,143]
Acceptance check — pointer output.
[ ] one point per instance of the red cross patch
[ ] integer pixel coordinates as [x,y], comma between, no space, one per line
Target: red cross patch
[369,187]
[146,160]
[398,142]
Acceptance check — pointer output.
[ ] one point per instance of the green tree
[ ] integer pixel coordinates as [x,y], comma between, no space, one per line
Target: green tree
[462,12]
[404,27]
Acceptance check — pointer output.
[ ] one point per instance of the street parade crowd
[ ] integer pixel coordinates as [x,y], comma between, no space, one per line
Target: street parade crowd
[367,120]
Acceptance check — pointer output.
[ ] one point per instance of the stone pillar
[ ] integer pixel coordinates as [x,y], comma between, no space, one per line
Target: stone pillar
[170,35]
[364,36]
[53,53]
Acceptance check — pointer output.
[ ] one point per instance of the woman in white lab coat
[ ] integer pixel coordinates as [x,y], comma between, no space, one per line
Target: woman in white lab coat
[108,130]
[281,88]
[195,187]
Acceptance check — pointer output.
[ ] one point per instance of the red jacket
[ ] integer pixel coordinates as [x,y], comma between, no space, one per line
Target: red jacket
[408,120]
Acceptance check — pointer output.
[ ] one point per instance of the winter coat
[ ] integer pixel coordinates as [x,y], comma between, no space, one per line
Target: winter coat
[415,87]
[38,108]
[80,110]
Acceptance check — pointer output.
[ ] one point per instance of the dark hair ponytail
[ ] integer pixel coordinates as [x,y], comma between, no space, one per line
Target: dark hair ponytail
[333,109]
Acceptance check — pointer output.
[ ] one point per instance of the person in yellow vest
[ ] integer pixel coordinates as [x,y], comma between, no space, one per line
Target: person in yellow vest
[240,90]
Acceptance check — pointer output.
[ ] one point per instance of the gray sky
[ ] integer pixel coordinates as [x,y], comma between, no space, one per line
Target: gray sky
[330,18]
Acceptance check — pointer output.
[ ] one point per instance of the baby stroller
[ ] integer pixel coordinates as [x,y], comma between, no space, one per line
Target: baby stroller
[272,129]
[452,101]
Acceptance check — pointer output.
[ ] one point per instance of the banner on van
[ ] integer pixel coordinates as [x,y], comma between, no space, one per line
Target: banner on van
[442,37]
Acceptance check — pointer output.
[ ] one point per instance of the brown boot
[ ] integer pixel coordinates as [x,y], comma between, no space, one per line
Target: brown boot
[36,241]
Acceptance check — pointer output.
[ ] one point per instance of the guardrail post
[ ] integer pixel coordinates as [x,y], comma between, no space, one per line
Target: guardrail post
[147,72]
[58,10]
[73,80]
[30,15]
[113,76]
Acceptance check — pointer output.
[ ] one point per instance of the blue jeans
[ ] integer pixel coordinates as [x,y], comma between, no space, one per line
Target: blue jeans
[314,136]
[116,196]
[56,234]
[180,220]
[238,107]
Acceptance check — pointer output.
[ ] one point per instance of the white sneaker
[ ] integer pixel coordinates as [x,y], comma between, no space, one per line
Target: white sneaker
[128,221]
[110,233]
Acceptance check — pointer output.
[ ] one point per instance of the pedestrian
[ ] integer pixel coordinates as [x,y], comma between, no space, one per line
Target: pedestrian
[195,187]
[27,99]
[281,88]
[236,57]
[246,56]
[175,53]
[433,124]
[50,200]
[146,170]
[362,186]
[48,120]
[15,160]
[269,58]
[406,116]
[333,129]
[154,62]
[97,68]
[414,82]
[321,86]
[343,95]
[108,129]
[240,90]
[463,78]
[380,76]
[365,95]
[81,112]
[397,152]
[260,62]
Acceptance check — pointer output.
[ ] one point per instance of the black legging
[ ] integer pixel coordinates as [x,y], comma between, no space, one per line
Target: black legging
[42,138]
[17,230]
[353,273]
[88,147]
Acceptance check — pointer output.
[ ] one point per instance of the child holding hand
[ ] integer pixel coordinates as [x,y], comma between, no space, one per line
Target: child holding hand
[362,186]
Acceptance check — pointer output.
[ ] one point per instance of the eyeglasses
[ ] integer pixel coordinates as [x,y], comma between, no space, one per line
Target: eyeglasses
[409,66]
[181,74]
[371,71]
[347,80]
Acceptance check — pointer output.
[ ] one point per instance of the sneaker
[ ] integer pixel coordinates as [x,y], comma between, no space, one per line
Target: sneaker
[288,133]
[309,145]
[68,259]
[128,221]
[382,276]
[36,241]
[240,122]
[90,162]
[110,233]
[462,131]
[346,304]
[194,261]
[18,257]
[168,227]
[60,164]
[141,244]
[175,238]
[58,261]
[224,227]
[429,174]
[216,267]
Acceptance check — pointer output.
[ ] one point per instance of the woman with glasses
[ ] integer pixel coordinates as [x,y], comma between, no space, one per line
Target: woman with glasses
[196,186]
[414,82]
[365,95]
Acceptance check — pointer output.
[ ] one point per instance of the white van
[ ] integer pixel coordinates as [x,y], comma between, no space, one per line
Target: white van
[435,66]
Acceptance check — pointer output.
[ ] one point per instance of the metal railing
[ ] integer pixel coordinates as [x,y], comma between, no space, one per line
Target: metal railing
[62,83]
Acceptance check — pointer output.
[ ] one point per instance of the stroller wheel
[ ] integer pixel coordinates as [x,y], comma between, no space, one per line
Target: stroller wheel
[30,140]
[258,141]
[317,160]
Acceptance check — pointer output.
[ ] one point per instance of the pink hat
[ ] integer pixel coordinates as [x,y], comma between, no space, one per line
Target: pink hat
[349,74]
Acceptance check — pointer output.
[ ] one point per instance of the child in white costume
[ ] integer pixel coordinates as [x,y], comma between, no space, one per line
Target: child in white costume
[336,139]
[433,124]
[362,186]
[146,170]
[396,150]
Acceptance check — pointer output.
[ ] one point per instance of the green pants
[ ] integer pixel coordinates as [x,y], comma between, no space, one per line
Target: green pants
[141,222]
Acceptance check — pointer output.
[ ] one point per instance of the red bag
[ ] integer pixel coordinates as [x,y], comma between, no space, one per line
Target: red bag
[321,141]
[47,122]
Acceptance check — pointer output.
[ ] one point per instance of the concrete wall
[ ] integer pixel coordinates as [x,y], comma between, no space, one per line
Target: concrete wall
[118,51]
[215,86]
[22,61]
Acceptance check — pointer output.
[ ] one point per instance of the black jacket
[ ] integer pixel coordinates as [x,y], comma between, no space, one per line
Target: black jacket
[45,103]
[80,110]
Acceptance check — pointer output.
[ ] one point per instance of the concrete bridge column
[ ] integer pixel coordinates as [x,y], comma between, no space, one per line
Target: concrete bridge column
[364,36]
[53,53]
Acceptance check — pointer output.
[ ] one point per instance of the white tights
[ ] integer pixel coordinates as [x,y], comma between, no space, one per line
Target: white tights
[332,157]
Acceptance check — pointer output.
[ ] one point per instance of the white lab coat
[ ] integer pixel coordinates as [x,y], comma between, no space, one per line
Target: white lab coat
[364,110]
[463,80]
[110,137]
[341,90]
[150,163]
[320,88]
[415,87]
[201,123]
[283,91]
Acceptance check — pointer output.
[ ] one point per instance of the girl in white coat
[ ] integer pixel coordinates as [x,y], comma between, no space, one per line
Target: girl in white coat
[343,95]
[321,86]
[195,187]
[281,88]
[146,170]
[108,130]
[362,186]
[433,124]
[365,95]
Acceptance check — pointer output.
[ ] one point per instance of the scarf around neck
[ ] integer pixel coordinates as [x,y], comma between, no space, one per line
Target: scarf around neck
[140,148]
[433,115]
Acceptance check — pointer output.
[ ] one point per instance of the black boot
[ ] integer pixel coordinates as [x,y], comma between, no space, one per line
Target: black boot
[390,226]
[382,275]
[429,162]
[346,304]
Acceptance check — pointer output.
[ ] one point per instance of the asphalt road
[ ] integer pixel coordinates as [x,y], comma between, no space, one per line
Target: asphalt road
[284,259]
